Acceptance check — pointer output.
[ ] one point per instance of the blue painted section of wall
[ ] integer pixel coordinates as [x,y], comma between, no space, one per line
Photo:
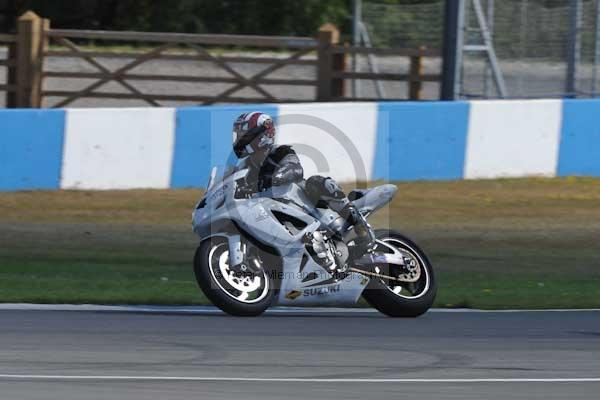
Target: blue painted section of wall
[31,146]
[421,140]
[579,151]
[203,138]
[414,141]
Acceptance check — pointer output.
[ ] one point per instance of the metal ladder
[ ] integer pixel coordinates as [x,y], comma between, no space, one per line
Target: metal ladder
[485,44]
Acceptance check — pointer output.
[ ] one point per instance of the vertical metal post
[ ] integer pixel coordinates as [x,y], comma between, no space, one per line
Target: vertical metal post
[379,90]
[468,31]
[487,75]
[595,72]
[523,36]
[491,53]
[573,47]
[454,13]
[356,20]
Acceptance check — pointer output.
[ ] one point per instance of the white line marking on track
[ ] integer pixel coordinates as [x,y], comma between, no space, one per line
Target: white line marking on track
[315,380]
[209,310]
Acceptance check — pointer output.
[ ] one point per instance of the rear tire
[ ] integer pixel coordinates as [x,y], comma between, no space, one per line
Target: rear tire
[403,304]
[218,290]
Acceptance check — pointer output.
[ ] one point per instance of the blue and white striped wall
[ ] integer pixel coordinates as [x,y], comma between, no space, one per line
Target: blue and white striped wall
[175,147]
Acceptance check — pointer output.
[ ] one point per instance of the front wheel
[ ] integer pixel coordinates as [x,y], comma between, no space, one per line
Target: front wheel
[415,292]
[240,293]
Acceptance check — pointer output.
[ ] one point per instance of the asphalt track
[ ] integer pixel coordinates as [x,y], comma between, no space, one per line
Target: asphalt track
[162,353]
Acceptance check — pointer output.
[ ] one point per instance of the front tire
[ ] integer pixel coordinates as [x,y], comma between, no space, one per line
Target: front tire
[402,299]
[234,294]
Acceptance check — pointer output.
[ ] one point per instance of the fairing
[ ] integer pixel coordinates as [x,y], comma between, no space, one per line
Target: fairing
[303,280]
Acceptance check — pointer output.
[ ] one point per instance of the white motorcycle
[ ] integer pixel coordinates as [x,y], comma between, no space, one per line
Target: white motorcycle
[275,247]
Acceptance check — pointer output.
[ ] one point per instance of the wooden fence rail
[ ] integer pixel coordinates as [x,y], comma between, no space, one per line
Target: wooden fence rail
[10,62]
[35,41]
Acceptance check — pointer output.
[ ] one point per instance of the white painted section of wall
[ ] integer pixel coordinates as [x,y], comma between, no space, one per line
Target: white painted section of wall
[120,148]
[513,138]
[315,141]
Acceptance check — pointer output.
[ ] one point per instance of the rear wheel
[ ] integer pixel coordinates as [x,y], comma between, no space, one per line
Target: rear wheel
[401,298]
[246,292]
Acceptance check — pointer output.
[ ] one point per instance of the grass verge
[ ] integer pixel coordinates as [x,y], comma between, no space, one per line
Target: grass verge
[522,243]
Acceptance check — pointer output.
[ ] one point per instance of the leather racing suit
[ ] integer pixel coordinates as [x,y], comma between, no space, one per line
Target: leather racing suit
[282,166]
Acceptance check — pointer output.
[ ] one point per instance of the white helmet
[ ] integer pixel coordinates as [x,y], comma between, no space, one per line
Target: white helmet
[249,127]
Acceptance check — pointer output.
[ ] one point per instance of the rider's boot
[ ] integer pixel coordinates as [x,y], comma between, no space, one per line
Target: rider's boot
[364,237]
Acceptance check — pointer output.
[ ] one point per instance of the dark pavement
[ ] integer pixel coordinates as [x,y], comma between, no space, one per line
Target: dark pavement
[315,350]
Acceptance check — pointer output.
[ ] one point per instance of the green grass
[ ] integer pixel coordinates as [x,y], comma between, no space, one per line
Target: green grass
[519,243]
[503,291]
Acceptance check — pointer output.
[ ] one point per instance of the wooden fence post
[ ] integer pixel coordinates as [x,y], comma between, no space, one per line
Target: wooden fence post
[328,36]
[415,85]
[338,87]
[31,44]
[11,76]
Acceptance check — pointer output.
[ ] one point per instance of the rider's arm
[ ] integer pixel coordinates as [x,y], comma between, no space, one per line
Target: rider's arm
[289,170]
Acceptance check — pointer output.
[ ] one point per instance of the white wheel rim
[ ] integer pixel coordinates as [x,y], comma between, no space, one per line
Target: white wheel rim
[238,288]
[398,290]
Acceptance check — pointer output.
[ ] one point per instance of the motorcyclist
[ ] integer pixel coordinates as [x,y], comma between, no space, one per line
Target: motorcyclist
[271,165]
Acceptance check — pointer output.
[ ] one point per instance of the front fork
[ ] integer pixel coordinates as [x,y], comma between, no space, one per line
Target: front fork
[237,250]
[238,255]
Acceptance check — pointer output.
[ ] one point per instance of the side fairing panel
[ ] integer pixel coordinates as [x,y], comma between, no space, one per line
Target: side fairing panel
[302,281]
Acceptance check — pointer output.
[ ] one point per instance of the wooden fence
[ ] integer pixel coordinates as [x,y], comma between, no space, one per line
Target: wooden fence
[35,41]
[9,62]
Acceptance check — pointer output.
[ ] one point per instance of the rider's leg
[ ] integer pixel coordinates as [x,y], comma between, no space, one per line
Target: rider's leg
[326,189]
